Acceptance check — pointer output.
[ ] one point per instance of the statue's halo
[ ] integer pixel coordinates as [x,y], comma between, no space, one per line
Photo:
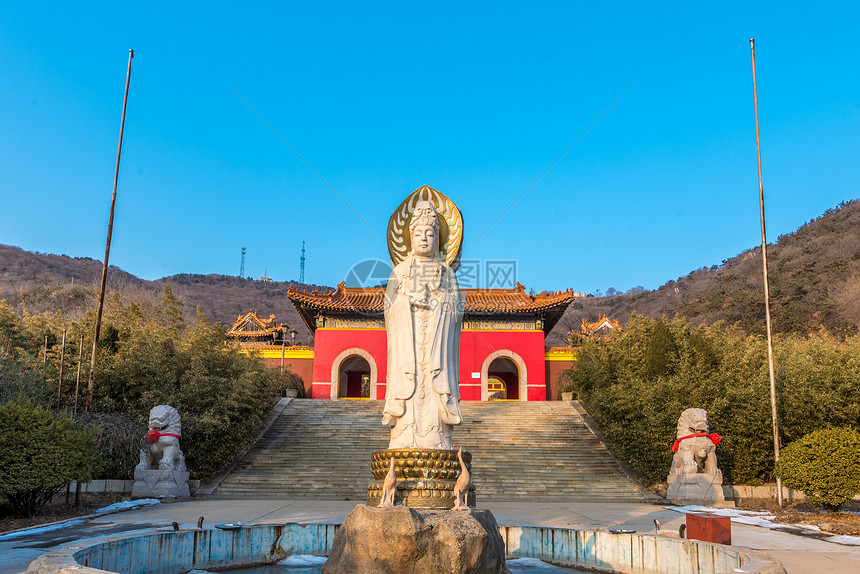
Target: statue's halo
[450,226]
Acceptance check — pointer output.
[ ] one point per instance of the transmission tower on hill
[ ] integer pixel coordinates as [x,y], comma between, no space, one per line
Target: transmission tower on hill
[302,265]
[242,267]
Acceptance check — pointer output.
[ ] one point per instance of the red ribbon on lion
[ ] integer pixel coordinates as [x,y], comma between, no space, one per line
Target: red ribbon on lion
[153,435]
[715,438]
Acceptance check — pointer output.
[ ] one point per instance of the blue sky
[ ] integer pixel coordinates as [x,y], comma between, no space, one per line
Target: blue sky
[381,98]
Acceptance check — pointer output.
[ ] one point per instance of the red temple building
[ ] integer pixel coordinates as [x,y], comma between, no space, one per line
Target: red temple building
[502,344]
[502,351]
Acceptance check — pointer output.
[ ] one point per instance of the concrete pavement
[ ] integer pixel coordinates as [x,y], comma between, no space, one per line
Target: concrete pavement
[799,554]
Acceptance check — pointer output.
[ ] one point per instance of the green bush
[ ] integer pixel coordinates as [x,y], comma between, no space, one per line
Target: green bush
[119,440]
[291,381]
[222,394]
[825,465]
[40,453]
[149,355]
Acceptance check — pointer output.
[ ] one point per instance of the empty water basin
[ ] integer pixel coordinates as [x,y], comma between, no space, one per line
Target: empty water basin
[228,550]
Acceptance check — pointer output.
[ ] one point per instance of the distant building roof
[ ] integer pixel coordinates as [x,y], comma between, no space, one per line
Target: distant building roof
[600,329]
[251,328]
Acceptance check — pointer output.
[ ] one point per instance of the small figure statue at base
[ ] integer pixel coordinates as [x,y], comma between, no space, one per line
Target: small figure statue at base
[161,471]
[461,488]
[389,487]
[694,476]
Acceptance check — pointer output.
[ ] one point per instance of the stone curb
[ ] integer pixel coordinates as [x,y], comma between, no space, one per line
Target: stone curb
[83,517]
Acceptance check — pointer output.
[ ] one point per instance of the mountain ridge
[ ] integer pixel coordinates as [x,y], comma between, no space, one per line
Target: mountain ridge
[814,277]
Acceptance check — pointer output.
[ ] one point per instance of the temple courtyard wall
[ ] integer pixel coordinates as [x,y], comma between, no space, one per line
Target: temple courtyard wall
[534,370]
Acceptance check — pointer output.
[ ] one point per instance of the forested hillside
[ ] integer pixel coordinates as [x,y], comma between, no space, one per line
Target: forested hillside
[814,278]
[39,283]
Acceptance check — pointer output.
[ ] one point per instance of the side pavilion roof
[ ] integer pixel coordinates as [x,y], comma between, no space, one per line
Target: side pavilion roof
[251,325]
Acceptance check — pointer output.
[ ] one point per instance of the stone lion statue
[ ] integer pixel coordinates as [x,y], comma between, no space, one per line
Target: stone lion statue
[695,448]
[162,449]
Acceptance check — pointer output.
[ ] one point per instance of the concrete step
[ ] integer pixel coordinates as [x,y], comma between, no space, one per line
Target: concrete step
[521,451]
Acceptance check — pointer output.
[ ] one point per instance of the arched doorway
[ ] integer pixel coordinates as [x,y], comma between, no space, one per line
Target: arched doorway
[353,380]
[504,368]
[503,380]
[353,375]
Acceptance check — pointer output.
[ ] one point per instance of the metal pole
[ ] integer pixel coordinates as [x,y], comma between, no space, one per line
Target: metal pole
[45,352]
[78,379]
[770,365]
[283,346]
[91,382]
[62,360]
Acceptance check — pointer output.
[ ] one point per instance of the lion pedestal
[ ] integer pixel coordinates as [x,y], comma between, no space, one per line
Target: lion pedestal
[161,472]
[694,477]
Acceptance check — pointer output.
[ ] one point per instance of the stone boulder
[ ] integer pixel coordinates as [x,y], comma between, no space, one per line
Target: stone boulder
[402,539]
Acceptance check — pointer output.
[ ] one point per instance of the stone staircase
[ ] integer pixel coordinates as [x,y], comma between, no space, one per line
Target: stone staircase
[522,451]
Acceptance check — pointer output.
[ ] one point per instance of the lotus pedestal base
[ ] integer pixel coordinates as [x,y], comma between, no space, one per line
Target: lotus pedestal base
[425,477]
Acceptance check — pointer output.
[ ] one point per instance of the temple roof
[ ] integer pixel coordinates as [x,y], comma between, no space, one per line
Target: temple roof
[600,329]
[369,301]
[251,325]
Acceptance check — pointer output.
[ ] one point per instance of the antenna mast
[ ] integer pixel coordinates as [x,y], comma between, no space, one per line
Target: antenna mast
[302,265]
[242,266]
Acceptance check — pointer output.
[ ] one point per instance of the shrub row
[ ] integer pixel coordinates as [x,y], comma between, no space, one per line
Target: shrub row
[147,357]
[637,384]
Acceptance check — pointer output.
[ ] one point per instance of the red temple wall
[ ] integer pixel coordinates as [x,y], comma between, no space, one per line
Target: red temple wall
[477,346]
[553,371]
[526,347]
[330,343]
[304,368]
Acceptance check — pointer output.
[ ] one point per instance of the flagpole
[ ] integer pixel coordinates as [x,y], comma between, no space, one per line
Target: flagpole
[770,365]
[91,381]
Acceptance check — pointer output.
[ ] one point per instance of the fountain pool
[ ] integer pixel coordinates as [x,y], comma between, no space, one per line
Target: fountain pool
[169,552]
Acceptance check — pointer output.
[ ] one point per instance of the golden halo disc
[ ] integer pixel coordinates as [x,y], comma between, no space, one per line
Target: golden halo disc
[450,226]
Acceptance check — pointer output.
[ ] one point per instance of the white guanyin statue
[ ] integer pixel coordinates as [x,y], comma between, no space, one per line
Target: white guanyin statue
[423,316]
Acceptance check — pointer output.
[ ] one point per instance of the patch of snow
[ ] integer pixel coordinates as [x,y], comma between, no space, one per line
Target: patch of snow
[732,512]
[528,563]
[303,560]
[200,572]
[847,540]
[40,529]
[807,527]
[129,504]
